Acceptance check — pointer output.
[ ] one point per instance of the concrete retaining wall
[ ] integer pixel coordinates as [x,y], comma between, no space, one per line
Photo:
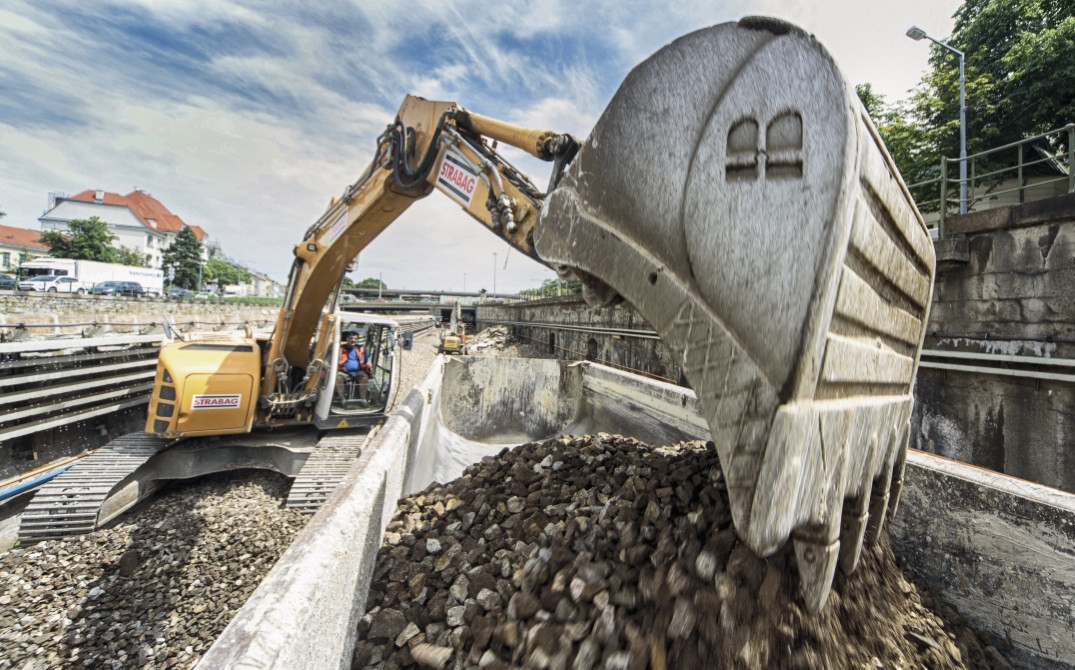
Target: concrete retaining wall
[647,355]
[1009,276]
[16,308]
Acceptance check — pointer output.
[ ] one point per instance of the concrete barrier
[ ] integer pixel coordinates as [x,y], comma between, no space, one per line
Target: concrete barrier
[1001,550]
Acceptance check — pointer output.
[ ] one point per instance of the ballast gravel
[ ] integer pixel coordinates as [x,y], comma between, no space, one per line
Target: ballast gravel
[155,590]
[591,552]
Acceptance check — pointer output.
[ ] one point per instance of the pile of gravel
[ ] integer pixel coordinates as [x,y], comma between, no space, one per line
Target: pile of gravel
[415,364]
[155,590]
[601,552]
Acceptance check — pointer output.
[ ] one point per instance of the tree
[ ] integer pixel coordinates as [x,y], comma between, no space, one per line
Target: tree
[553,287]
[371,282]
[86,240]
[185,255]
[132,257]
[222,272]
[1020,82]
[348,282]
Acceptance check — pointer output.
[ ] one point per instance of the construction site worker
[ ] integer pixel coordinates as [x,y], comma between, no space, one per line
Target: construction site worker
[354,364]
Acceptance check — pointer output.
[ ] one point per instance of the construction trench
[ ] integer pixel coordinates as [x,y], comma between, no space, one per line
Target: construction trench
[578,549]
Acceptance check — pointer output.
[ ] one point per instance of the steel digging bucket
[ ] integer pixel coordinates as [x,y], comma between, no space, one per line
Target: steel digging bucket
[737,194]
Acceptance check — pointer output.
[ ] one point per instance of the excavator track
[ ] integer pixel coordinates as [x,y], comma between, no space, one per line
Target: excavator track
[324,470]
[70,503]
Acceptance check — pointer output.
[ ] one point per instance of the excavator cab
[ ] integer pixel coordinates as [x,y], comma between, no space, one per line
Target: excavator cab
[349,400]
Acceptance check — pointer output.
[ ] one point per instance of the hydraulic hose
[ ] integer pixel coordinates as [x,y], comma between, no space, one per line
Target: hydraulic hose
[417,177]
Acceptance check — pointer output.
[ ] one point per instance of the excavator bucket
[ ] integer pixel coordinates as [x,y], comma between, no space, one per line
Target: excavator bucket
[736,193]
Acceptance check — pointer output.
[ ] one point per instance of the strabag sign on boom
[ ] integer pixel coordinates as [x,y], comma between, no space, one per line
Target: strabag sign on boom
[216,401]
[457,178]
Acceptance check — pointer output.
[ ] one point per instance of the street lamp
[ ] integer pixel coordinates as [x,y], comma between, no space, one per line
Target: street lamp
[494,275]
[916,34]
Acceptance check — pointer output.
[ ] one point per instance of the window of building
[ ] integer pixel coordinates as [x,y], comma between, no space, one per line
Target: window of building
[5,260]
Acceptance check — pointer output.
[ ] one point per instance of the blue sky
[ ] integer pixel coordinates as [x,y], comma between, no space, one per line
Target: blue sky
[246,117]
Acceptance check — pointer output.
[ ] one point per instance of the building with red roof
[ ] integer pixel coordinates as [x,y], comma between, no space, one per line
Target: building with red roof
[18,245]
[138,220]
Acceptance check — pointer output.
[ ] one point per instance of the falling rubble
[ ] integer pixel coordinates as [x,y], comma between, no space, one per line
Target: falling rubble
[594,552]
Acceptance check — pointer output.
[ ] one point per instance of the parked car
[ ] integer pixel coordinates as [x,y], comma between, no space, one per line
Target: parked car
[181,293]
[7,282]
[52,284]
[128,288]
[204,295]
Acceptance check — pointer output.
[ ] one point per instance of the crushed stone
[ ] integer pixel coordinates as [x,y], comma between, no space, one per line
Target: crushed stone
[624,558]
[155,590]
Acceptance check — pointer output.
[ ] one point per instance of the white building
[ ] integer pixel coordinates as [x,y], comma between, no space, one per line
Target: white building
[138,219]
[260,285]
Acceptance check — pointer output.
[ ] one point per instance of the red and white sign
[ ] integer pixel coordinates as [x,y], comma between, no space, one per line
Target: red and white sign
[457,178]
[338,227]
[216,401]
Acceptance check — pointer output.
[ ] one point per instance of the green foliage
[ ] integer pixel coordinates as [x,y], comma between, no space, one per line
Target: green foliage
[370,282]
[873,102]
[85,240]
[553,287]
[222,272]
[132,257]
[1020,82]
[185,255]
[348,282]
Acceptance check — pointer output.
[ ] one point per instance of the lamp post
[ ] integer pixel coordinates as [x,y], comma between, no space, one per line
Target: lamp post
[916,34]
[494,275]
[464,282]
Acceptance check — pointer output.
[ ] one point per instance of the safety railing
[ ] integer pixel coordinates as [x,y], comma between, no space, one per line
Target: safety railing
[985,184]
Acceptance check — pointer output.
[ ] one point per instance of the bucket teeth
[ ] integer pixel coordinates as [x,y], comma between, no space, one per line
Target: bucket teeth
[853,530]
[897,474]
[878,507]
[817,565]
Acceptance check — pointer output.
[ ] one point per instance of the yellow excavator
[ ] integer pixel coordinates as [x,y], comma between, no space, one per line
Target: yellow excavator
[736,193]
[453,340]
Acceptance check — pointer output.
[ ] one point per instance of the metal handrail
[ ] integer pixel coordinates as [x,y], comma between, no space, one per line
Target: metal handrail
[945,181]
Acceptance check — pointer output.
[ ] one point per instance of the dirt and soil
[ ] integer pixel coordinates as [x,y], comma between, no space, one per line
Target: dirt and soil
[601,552]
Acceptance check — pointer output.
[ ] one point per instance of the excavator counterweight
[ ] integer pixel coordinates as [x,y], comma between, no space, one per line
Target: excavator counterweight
[736,193]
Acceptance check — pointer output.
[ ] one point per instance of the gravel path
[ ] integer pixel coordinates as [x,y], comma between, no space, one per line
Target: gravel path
[601,552]
[155,590]
[416,363]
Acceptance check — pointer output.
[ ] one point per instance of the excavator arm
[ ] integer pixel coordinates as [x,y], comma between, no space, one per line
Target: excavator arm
[431,145]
